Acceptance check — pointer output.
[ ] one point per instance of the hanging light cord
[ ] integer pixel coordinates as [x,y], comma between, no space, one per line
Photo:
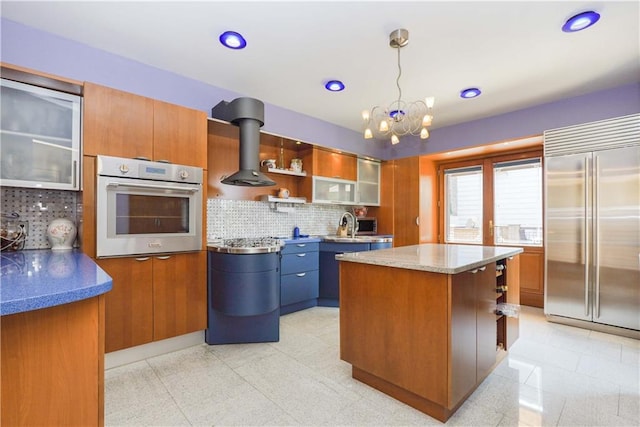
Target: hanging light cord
[398,80]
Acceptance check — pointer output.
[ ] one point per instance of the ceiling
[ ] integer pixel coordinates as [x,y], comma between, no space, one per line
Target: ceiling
[515,52]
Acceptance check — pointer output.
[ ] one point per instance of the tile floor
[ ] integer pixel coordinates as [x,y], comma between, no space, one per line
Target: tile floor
[554,375]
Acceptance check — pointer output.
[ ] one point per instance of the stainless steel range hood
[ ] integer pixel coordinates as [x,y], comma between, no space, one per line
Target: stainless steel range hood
[248,115]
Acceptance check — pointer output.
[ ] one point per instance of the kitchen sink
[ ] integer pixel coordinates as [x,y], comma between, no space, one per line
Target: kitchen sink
[357,239]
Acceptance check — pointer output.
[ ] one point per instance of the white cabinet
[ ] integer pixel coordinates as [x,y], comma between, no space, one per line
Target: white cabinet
[40,137]
[368,182]
[333,190]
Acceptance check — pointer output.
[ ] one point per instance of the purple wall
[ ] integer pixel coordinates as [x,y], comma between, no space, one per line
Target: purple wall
[33,48]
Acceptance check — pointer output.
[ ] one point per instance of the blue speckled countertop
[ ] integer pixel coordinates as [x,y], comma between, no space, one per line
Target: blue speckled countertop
[35,279]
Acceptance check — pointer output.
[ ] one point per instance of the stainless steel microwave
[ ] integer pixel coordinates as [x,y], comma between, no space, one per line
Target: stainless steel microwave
[367,225]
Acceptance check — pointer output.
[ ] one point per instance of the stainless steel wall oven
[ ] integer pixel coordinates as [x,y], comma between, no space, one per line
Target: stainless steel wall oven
[146,207]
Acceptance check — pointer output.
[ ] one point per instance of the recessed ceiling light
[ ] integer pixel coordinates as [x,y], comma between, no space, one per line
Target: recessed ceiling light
[580,21]
[470,92]
[334,85]
[233,40]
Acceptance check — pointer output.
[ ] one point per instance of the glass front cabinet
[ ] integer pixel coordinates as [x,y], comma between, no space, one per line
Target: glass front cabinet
[334,191]
[368,182]
[40,137]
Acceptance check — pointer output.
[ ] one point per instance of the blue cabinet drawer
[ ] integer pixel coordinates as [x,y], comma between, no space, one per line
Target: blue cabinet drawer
[298,287]
[294,248]
[298,262]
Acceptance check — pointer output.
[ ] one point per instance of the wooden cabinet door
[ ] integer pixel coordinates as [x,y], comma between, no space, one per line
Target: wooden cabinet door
[406,194]
[180,135]
[335,165]
[116,123]
[129,305]
[179,294]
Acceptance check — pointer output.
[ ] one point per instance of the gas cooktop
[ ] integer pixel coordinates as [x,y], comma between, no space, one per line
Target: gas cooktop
[247,245]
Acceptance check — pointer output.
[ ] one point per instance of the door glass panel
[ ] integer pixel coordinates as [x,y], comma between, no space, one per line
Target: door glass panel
[518,203]
[463,205]
[142,214]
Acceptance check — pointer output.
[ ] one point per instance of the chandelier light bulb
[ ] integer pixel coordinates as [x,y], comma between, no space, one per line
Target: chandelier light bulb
[430,100]
[394,139]
[368,134]
[365,115]
[384,126]
[424,133]
[426,120]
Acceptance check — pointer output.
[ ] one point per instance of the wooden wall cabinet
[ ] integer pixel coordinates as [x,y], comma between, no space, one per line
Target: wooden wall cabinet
[414,201]
[154,298]
[122,124]
[334,165]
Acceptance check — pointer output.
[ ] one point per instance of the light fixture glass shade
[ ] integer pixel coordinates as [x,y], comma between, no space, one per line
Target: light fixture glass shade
[430,100]
[383,126]
[426,120]
[365,115]
[394,139]
[424,133]
[368,134]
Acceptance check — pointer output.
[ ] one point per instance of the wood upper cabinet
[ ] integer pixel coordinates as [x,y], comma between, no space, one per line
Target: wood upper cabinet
[116,123]
[154,298]
[129,304]
[122,124]
[179,294]
[179,135]
[334,165]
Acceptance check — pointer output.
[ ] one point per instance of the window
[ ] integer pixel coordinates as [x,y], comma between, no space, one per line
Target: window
[517,209]
[463,205]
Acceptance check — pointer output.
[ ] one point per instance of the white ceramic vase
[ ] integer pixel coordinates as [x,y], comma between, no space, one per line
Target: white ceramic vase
[61,234]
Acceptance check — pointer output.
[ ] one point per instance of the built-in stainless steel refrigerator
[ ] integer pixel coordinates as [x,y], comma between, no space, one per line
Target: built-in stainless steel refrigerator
[592,224]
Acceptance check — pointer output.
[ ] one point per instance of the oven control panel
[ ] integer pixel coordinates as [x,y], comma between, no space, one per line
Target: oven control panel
[146,169]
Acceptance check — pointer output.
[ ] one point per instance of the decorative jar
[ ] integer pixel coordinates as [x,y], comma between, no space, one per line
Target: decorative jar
[61,234]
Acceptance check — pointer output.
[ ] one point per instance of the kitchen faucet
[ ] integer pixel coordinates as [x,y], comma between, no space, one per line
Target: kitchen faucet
[354,222]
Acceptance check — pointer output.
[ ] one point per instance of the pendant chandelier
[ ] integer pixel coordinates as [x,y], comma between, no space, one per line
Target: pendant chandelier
[400,117]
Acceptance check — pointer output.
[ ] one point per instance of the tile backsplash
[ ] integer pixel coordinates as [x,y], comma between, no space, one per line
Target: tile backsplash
[225,218]
[39,207]
[244,218]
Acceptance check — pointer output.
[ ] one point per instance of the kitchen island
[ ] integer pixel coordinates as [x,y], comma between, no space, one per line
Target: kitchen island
[52,332]
[419,322]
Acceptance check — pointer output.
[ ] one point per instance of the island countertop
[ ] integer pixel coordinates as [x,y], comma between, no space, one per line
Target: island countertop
[35,279]
[433,257]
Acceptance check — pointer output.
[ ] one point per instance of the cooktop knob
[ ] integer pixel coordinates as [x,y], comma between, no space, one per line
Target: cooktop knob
[124,168]
[183,174]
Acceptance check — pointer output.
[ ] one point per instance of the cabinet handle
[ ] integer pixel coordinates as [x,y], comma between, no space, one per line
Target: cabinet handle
[144,258]
[163,257]
[418,221]
[74,173]
[474,271]
[301,245]
[301,255]
[163,161]
[142,158]
[301,274]
[482,268]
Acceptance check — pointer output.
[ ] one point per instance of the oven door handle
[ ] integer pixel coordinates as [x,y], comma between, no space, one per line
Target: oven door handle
[152,187]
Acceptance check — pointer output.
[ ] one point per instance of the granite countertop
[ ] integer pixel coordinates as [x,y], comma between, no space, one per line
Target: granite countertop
[35,279]
[436,258]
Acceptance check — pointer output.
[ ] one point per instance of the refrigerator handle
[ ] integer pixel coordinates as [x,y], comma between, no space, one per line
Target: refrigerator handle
[596,234]
[585,244]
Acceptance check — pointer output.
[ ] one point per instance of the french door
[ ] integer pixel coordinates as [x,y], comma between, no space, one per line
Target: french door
[497,201]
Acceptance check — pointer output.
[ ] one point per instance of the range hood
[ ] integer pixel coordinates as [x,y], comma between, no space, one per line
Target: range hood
[248,115]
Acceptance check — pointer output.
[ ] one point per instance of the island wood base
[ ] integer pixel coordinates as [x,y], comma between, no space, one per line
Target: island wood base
[53,365]
[427,339]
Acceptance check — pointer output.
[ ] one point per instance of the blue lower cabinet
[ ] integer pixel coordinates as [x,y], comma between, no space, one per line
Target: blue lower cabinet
[299,276]
[330,268]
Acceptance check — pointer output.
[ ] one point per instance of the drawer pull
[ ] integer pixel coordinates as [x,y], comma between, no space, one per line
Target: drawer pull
[144,258]
[301,274]
[301,255]
[301,245]
[164,257]
[482,268]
